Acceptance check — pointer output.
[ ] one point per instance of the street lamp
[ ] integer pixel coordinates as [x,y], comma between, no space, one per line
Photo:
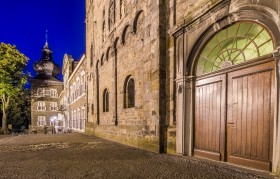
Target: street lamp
[53,119]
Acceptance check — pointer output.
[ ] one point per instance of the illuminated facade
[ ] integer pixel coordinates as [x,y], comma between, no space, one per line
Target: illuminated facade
[73,98]
[45,90]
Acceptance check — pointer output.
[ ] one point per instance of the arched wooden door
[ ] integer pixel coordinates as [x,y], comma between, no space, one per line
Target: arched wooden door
[234,97]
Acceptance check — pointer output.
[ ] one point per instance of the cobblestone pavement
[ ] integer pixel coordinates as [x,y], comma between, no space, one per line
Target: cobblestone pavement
[84,156]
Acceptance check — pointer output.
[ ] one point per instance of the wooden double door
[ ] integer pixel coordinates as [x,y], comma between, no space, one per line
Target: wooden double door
[234,116]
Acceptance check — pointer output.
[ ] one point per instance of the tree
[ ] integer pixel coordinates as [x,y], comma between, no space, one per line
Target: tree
[12,77]
[19,111]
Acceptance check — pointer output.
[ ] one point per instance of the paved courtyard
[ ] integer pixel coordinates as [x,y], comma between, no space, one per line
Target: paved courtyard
[84,156]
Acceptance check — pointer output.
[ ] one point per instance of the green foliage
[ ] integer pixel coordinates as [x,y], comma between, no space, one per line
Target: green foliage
[12,64]
[19,110]
[12,76]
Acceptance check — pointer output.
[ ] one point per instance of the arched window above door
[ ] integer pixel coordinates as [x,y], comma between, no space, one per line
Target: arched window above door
[233,45]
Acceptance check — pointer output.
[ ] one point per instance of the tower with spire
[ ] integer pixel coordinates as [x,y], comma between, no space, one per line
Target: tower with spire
[45,91]
[46,68]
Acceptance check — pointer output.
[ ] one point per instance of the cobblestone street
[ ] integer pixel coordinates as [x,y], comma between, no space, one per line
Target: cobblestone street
[84,156]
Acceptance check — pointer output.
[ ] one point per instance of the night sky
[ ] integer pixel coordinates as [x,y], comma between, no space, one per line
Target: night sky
[24,23]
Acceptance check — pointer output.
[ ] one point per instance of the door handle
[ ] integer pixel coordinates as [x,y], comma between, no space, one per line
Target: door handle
[231,125]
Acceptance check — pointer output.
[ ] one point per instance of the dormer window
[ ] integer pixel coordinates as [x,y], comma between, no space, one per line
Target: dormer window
[41,92]
[53,93]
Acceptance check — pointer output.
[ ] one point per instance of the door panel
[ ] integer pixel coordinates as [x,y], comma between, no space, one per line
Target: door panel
[210,117]
[250,116]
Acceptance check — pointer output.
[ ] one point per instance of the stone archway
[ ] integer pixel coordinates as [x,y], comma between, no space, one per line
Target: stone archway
[187,50]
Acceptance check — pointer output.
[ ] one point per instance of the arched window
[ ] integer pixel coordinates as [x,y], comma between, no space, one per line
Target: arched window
[103,31]
[235,44]
[91,55]
[105,101]
[129,93]
[122,8]
[102,59]
[111,18]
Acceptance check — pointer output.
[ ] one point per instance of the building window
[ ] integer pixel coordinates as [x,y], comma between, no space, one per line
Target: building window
[68,120]
[102,59]
[238,43]
[53,106]
[74,119]
[82,88]
[83,113]
[53,93]
[65,80]
[129,93]
[111,19]
[74,91]
[91,55]
[70,95]
[41,121]
[78,118]
[41,106]
[41,92]
[105,101]
[122,8]
[78,85]
[103,26]
[103,31]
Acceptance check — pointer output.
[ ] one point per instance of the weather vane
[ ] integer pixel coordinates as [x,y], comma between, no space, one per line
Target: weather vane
[47,36]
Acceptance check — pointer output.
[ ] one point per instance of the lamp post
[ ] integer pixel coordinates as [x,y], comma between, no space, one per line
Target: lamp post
[53,119]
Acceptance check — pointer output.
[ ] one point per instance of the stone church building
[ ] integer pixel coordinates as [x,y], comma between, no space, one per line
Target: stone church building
[191,77]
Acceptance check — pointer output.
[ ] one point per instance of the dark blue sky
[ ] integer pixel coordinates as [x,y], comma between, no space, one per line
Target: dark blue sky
[24,22]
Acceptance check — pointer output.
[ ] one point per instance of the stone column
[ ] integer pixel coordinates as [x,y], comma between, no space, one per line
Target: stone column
[184,115]
[276,122]
[180,115]
[188,114]
[97,93]
[180,94]
[115,86]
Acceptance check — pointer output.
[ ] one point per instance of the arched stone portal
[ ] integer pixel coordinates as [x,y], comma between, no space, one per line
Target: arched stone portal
[234,97]
[224,84]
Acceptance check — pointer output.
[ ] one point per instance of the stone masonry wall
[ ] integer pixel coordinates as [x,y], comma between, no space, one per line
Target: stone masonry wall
[34,98]
[136,38]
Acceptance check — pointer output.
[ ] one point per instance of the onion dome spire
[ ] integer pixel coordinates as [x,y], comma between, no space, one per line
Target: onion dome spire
[46,68]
